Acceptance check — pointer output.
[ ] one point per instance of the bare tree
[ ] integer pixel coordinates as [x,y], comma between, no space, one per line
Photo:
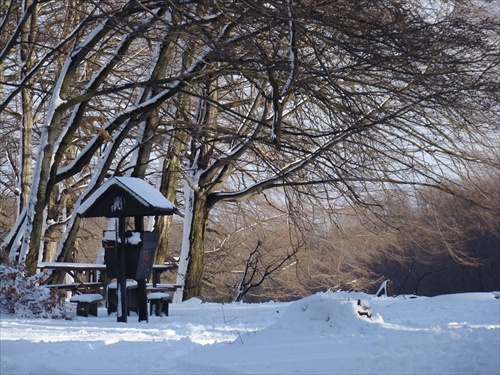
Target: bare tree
[359,98]
[336,103]
[103,38]
[249,246]
[447,244]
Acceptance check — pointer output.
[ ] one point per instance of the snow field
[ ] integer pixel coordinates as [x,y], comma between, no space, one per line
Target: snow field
[320,334]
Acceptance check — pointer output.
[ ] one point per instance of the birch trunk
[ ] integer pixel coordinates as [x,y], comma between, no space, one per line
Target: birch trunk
[26,57]
[26,148]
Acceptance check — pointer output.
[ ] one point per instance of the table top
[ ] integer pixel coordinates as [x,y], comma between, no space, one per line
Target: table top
[92,266]
[71,266]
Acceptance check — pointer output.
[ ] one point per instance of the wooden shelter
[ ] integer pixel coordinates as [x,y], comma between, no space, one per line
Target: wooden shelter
[123,197]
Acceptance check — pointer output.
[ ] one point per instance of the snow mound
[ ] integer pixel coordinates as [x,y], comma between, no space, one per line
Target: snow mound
[325,312]
[194,301]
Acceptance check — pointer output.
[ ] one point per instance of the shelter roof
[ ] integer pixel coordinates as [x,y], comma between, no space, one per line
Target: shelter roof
[127,196]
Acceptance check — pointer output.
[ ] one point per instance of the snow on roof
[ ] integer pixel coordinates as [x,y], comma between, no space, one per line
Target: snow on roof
[143,192]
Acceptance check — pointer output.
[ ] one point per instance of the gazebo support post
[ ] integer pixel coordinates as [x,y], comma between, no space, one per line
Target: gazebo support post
[142,300]
[122,308]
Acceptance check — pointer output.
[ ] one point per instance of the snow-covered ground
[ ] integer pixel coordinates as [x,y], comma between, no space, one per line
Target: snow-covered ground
[320,334]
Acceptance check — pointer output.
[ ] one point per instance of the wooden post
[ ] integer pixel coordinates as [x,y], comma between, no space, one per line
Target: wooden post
[122,309]
[142,301]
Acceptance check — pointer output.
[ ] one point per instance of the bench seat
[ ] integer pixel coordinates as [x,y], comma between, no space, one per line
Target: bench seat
[86,303]
[159,301]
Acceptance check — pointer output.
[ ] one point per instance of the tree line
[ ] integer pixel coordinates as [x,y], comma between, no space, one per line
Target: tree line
[333,107]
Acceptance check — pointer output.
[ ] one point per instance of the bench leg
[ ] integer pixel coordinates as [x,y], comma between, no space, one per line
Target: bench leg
[86,308]
[165,307]
[111,307]
[112,301]
[133,304]
[93,308]
[82,309]
[157,304]
[158,307]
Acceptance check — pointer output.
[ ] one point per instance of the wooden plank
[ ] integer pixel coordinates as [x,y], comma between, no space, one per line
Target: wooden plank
[62,286]
[71,266]
[162,287]
[85,285]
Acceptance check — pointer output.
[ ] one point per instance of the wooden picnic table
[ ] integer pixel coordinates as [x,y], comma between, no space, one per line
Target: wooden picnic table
[95,279]
[96,273]
[89,269]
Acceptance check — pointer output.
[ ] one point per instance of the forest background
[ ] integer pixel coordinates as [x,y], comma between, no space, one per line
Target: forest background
[310,146]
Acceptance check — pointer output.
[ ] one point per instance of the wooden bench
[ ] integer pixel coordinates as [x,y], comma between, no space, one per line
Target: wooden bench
[160,302]
[86,304]
[112,300]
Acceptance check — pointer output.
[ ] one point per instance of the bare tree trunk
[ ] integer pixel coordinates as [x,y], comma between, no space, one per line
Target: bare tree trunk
[26,57]
[197,239]
[169,181]
[191,260]
[26,149]
[170,177]
[4,37]
[36,204]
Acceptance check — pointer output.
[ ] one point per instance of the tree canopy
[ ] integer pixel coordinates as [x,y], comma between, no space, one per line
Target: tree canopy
[331,102]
